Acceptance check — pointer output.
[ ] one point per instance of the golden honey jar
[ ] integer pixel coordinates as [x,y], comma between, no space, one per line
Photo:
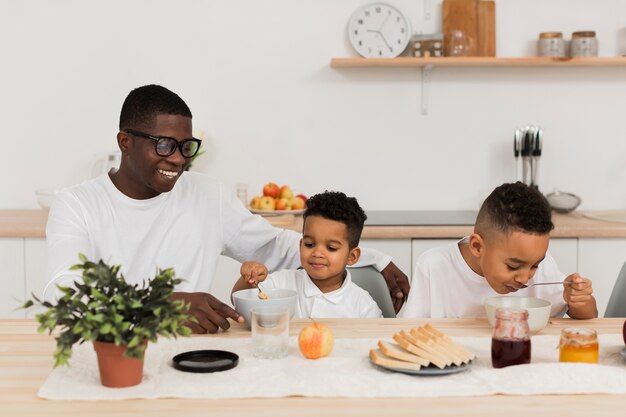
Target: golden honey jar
[578,345]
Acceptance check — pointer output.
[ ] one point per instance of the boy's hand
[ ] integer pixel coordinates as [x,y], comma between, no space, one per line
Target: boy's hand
[253,272]
[578,294]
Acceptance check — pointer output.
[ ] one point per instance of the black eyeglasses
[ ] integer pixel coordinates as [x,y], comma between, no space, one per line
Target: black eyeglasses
[166,146]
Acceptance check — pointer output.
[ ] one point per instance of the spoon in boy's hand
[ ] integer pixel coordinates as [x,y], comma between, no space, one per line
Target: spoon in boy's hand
[550,283]
[262,295]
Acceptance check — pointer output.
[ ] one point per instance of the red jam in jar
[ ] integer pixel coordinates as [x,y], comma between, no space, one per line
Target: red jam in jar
[510,344]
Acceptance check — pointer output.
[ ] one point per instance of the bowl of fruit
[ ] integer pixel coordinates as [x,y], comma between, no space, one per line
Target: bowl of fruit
[276,200]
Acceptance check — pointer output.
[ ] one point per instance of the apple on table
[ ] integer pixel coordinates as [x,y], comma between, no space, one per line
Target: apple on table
[316,340]
[271,189]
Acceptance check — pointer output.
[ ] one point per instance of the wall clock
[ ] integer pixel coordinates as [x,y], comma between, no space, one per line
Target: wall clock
[379,30]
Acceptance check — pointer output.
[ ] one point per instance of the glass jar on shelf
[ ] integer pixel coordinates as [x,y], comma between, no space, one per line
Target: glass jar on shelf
[510,344]
[578,345]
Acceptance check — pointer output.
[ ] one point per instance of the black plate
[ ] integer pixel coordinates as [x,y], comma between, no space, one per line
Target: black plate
[205,361]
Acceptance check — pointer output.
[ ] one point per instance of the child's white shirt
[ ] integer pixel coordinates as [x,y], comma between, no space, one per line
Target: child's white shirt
[348,301]
[443,285]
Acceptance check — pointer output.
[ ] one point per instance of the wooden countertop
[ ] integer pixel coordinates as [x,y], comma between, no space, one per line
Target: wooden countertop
[32,223]
[26,361]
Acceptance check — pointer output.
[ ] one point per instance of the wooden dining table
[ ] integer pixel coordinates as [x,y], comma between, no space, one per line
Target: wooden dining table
[26,361]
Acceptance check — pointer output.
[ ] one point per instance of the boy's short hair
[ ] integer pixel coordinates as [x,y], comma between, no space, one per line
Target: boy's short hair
[515,207]
[334,205]
[143,104]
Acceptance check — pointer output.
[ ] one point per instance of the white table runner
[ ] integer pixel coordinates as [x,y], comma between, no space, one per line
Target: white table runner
[346,373]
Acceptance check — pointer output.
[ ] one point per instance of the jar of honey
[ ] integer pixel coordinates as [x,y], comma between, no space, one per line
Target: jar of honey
[510,344]
[578,345]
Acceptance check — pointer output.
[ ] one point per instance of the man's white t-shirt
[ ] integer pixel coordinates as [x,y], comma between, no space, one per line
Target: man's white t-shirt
[443,285]
[187,228]
[348,301]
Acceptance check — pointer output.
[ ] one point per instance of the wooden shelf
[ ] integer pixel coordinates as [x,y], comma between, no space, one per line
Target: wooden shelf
[477,62]
[428,64]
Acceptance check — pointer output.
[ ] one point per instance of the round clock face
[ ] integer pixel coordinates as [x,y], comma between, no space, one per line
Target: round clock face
[379,31]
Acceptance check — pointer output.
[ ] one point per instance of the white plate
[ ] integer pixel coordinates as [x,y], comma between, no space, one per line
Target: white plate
[430,370]
[276,212]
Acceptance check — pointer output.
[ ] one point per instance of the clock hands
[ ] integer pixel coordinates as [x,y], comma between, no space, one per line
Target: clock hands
[382,36]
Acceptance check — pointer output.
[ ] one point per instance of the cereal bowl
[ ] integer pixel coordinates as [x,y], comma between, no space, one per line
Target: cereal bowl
[538,309]
[278,298]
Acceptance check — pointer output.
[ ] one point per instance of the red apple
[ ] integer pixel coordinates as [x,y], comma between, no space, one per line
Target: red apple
[267,203]
[285,192]
[303,197]
[283,204]
[316,341]
[271,190]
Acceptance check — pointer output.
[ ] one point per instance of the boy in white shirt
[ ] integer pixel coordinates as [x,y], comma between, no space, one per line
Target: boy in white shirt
[507,249]
[332,228]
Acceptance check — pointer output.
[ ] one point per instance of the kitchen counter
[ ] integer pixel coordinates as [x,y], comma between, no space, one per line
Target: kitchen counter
[32,223]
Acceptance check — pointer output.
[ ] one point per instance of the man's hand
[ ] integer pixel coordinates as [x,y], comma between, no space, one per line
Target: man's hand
[398,285]
[210,312]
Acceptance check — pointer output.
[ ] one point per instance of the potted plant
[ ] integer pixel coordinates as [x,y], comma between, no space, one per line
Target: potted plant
[118,317]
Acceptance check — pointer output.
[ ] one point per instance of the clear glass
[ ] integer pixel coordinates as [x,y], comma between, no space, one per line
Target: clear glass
[459,44]
[242,193]
[270,333]
[578,345]
[510,344]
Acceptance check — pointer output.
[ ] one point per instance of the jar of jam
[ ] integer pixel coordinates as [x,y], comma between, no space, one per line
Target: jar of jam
[578,345]
[510,344]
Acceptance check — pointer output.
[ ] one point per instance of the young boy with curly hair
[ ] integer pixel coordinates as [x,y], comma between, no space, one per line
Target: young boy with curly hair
[332,228]
[507,251]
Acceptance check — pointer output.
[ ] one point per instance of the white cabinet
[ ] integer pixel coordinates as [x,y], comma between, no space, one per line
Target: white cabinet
[601,260]
[35,280]
[12,277]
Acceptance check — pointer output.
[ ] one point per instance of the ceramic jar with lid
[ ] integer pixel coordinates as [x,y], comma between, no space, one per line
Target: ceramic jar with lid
[551,44]
[584,44]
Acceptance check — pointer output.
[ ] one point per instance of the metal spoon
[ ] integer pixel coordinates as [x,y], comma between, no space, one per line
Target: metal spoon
[550,283]
[262,295]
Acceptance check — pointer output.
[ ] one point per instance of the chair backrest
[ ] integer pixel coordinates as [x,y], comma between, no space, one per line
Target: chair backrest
[617,302]
[372,281]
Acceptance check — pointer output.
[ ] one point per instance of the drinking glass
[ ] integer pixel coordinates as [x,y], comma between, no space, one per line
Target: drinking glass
[270,333]
[459,43]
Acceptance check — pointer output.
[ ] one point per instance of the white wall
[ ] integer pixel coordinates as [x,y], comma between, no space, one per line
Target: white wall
[256,75]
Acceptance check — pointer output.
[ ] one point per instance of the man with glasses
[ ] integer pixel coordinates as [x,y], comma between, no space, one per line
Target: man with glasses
[148,215]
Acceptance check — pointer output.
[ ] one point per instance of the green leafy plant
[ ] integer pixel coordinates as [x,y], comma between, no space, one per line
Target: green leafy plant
[104,307]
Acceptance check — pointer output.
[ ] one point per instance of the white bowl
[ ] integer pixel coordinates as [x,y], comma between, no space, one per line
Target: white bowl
[45,197]
[247,300]
[538,309]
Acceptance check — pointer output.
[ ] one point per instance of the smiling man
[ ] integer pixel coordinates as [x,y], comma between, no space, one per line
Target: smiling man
[507,250]
[151,214]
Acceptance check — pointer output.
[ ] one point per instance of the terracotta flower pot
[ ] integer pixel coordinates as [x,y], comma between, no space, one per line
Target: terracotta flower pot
[116,370]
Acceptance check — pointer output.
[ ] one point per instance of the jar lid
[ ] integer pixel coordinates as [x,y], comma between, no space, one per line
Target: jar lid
[548,35]
[578,336]
[584,34]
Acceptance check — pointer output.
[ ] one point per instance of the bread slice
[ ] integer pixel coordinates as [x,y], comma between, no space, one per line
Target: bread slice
[417,350]
[401,355]
[470,356]
[380,359]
